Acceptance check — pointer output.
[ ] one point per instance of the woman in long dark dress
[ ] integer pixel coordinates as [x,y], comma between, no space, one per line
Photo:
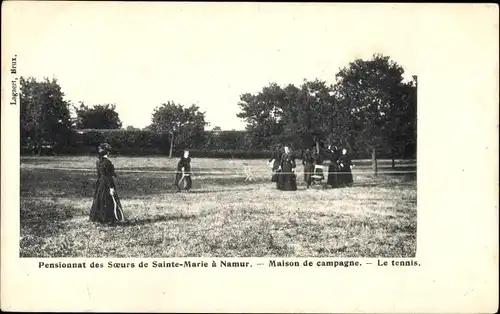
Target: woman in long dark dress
[345,166]
[287,179]
[276,160]
[308,161]
[105,195]
[333,169]
[183,175]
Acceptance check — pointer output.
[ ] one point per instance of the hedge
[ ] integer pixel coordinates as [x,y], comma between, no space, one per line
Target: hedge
[224,144]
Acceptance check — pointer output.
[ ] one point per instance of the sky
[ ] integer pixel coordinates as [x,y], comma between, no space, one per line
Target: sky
[140,55]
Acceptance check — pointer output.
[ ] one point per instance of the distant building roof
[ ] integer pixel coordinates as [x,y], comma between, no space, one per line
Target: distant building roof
[81,131]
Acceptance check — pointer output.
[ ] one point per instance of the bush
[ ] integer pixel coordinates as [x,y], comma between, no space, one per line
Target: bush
[236,154]
[224,144]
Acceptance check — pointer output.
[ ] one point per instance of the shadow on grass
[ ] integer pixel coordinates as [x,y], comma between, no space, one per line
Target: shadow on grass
[382,182]
[195,170]
[408,229]
[230,181]
[41,220]
[160,218]
[64,183]
[404,176]
[218,191]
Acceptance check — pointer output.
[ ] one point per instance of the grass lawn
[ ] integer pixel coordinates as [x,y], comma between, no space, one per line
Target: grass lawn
[223,216]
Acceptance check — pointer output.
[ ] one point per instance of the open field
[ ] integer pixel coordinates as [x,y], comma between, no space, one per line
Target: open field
[223,215]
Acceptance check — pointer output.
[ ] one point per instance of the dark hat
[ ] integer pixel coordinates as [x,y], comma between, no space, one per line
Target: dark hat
[104,148]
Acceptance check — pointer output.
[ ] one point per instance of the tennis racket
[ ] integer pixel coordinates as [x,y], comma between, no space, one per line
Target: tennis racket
[118,211]
[183,182]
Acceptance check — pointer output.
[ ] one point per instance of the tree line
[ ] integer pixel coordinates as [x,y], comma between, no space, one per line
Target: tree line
[369,109]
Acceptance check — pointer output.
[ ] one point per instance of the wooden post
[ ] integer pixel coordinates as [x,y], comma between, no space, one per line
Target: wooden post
[171,144]
[393,157]
[374,161]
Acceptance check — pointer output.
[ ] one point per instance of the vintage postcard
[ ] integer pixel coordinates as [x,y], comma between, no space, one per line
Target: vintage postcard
[249,157]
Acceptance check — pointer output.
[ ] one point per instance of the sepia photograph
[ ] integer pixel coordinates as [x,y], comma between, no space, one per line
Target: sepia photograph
[225,140]
[249,157]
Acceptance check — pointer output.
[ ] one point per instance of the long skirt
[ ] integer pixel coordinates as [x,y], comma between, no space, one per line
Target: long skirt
[345,177]
[348,178]
[278,179]
[308,172]
[333,176]
[274,176]
[183,183]
[103,206]
[287,181]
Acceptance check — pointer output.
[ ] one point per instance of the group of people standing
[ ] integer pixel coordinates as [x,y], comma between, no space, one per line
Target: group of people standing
[283,167]
[106,206]
[340,167]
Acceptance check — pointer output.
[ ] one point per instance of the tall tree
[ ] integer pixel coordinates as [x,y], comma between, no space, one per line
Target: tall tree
[297,115]
[370,91]
[44,114]
[311,113]
[263,114]
[185,125]
[132,128]
[97,117]
[400,132]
